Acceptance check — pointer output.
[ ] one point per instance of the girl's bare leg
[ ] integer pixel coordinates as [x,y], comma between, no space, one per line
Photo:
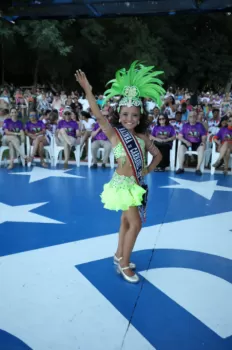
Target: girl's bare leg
[130,236]
[122,233]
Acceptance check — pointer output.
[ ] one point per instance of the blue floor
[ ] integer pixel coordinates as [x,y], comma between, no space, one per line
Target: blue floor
[58,287]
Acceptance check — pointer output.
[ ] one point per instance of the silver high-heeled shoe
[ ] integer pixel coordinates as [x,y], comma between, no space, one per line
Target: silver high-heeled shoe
[117,260]
[130,279]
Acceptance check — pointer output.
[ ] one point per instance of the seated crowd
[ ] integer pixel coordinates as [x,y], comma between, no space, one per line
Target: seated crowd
[68,119]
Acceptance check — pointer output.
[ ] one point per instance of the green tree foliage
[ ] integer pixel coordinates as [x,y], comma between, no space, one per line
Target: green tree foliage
[45,35]
[194,51]
[6,36]
[43,38]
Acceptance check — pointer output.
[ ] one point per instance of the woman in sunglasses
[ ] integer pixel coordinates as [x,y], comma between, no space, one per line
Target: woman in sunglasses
[36,131]
[224,140]
[68,134]
[163,134]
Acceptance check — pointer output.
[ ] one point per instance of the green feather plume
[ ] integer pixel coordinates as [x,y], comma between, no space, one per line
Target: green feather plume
[143,78]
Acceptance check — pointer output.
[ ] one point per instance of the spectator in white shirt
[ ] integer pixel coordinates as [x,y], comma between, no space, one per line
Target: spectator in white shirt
[63,97]
[43,104]
[87,123]
[150,105]
[84,102]
[56,104]
[169,107]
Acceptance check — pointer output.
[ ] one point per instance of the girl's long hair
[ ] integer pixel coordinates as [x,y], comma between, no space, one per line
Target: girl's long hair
[166,119]
[225,118]
[141,128]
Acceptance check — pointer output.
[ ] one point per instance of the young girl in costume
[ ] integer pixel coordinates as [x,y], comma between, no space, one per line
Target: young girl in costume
[127,191]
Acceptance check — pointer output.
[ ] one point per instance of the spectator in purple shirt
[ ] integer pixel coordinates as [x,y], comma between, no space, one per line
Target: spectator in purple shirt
[163,134]
[224,140]
[36,131]
[68,135]
[192,137]
[99,139]
[13,136]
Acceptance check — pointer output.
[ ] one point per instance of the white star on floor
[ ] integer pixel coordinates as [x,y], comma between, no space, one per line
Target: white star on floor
[203,188]
[21,213]
[38,173]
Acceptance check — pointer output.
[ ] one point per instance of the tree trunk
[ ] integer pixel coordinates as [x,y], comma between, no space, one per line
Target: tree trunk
[36,72]
[229,83]
[3,63]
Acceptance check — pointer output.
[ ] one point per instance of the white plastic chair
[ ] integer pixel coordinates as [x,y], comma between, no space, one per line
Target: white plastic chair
[172,156]
[4,148]
[202,167]
[99,154]
[58,153]
[48,150]
[215,156]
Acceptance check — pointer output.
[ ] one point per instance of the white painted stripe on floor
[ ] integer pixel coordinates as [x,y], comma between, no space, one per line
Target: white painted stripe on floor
[205,296]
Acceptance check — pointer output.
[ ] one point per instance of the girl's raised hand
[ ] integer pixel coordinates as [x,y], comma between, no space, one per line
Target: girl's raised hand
[83,81]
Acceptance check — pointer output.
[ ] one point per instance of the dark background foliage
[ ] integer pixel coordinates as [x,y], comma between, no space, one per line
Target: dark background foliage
[194,51]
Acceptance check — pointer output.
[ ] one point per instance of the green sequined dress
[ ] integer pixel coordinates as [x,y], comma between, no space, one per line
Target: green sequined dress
[123,192]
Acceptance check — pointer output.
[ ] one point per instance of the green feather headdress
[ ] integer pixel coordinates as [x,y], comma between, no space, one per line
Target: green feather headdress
[139,81]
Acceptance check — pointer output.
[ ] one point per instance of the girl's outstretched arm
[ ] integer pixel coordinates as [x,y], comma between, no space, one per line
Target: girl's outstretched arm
[101,119]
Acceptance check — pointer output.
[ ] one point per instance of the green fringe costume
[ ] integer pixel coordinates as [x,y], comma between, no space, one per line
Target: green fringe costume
[123,192]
